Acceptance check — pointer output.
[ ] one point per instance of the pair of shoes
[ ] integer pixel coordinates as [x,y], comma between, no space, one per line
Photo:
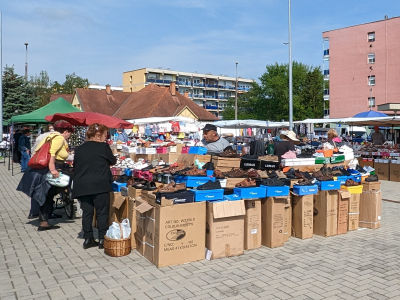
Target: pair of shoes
[252,173]
[101,243]
[248,182]
[89,243]
[210,185]
[218,174]
[48,227]
[30,216]
[350,182]
[372,178]
[55,216]
[172,187]
[236,173]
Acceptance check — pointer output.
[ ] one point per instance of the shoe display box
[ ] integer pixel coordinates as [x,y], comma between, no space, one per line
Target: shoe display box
[302,216]
[273,216]
[208,195]
[287,222]
[252,224]
[225,164]
[269,165]
[382,170]
[225,228]
[371,208]
[325,213]
[231,182]
[246,163]
[343,212]
[328,185]
[277,191]
[251,192]
[303,190]
[193,181]
[394,172]
[171,235]
[189,159]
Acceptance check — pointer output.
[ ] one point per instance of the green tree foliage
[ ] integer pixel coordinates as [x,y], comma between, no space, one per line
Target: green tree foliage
[269,100]
[42,87]
[72,81]
[18,95]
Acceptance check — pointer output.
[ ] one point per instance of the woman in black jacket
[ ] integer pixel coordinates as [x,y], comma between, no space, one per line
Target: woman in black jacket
[92,182]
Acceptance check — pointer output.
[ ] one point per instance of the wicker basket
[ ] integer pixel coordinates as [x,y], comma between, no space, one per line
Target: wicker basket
[116,248]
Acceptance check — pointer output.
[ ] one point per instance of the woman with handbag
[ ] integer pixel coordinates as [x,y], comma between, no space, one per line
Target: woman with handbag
[50,155]
[92,182]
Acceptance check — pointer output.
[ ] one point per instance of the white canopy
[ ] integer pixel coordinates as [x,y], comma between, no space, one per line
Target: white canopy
[250,124]
[381,121]
[154,120]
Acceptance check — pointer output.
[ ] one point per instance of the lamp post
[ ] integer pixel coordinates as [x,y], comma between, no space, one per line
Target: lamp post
[236,93]
[26,61]
[290,72]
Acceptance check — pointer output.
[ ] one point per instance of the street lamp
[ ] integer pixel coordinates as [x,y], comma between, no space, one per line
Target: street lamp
[26,61]
[236,93]
[290,71]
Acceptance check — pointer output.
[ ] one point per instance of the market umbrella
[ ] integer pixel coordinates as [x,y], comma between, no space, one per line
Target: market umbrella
[370,114]
[87,118]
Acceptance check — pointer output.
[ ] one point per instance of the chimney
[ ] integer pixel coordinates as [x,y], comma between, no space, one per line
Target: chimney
[186,94]
[108,89]
[172,88]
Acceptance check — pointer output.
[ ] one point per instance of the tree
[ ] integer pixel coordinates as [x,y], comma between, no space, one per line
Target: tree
[18,94]
[72,81]
[269,100]
[42,87]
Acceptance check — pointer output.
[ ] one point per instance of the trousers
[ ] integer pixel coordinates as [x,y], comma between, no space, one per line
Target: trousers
[101,203]
[24,160]
[47,208]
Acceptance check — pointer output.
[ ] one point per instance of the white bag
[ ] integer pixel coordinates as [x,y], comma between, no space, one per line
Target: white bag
[114,231]
[60,181]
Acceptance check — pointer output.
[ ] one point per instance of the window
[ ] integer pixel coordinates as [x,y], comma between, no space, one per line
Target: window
[371,80]
[371,36]
[371,58]
[371,101]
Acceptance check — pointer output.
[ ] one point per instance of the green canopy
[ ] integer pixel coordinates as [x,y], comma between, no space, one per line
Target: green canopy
[60,105]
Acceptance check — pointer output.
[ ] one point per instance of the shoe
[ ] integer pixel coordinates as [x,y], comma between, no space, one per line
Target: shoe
[55,216]
[89,243]
[210,185]
[350,182]
[252,173]
[101,243]
[48,227]
[248,182]
[372,178]
[30,216]
[218,174]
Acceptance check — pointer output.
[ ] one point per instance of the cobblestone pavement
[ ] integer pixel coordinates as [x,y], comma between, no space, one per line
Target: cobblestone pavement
[39,265]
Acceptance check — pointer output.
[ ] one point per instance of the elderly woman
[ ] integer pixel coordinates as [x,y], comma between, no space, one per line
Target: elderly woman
[333,138]
[34,183]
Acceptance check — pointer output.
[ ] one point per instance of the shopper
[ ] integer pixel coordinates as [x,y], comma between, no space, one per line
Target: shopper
[92,182]
[34,184]
[16,153]
[24,147]
[212,141]
[333,138]
[377,137]
[121,136]
[286,143]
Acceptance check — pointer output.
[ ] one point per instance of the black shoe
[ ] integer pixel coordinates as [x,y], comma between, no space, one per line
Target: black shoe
[30,216]
[372,178]
[209,185]
[101,243]
[49,227]
[54,216]
[89,243]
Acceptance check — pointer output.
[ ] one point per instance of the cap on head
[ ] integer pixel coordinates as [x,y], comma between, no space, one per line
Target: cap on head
[62,125]
[209,127]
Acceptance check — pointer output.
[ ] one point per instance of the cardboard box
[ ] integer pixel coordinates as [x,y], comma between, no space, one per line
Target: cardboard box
[325,213]
[134,193]
[273,221]
[371,186]
[382,170]
[117,214]
[365,163]
[227,162]
[225,228]
[252,224]
[302,219]
[231,182]
[394,171]
[343,212]
[132,220]
[189,159]
[287,231]
[370,209]
[173,234]
[354,211]
[169,158]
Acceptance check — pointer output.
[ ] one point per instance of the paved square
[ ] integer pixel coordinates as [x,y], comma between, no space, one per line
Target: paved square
[364,264]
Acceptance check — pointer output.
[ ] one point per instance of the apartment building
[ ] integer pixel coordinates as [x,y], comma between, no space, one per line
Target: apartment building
[209,91]
[361,66]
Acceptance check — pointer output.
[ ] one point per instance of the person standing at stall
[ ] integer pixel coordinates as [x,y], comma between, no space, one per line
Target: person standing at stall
[24,147]
[92,182]
[377,137]
[286,143]
[212,141]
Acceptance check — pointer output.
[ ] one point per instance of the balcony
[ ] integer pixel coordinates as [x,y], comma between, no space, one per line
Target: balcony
[326,97]
[326,54]
[326,74]
[326,94]
[158,81]
[326,113]
[184,83]
[210,106]
[198,84]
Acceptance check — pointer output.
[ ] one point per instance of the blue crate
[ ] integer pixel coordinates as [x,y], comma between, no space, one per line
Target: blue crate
[208,195]
[329,185]
[198,150]
[251,192]
[355,178]
[302,190]
[128,172]
[277,191]
[342,179]
[193,181]
[353,172]
[232,197]
[116,186]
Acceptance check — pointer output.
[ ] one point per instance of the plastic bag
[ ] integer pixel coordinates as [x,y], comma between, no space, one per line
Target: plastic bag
[61,181]
[114,231]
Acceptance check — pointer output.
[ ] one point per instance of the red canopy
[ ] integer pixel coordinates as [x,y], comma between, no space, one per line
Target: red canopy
[88,118]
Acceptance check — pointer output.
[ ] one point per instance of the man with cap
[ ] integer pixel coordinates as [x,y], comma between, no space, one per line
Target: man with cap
[377,137]
[212,141]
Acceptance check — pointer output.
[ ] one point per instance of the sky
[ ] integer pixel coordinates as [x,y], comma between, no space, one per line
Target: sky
[101,39]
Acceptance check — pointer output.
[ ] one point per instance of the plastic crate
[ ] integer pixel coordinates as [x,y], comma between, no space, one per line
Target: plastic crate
[208,195]
[193,181]
[277,191]
[251,192]
[197,150]
[329,185]
[303,190]
[354,189]
[116,186]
